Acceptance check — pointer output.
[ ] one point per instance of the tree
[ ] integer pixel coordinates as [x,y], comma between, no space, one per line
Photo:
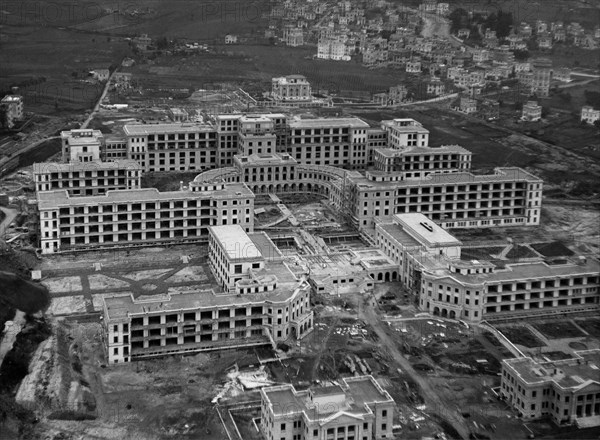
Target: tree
[459,19]
[162,43]
[592,98]
[565,97]
[521,55]
[4,115]
[597,123]
[505,22]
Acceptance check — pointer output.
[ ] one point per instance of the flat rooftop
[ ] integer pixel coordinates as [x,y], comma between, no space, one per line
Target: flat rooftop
[405,125]
[265,245]
[146,129]
[425,231]
[532,271]
[121,307]
[265,159]
[327,122]
[577,372]
[398,233]
[374,259]
[359,391]
[444,149]
[61,198]
[500,175]
[57,167]
[12,98]
[235,242]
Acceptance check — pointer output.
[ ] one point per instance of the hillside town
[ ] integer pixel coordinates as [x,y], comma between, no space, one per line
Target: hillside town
[333,220]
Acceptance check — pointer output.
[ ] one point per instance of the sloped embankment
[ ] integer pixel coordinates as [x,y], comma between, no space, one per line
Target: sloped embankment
[56,385]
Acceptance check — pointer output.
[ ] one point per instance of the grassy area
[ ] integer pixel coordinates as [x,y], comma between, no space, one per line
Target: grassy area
[590,325]
[521,251]
[558,330]
[552,249]
[522,336]
[480,253]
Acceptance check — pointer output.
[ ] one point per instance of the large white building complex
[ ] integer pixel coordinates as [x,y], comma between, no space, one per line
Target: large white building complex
[263,302]
[368,173]
[140,216]
[474,290]
[356,409]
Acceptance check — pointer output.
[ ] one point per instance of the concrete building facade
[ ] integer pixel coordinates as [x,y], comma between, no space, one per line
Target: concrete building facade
[430,264]
[140,216]
[567,391]
[291,88]
[357,409]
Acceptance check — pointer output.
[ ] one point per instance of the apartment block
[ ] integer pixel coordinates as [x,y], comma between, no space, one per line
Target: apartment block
[532,111]
[510,196]
[87,178]
[82,172]
[356,409]
[267,173]
[404,133]
[228,129]
[81,145]
[448,286]
[140,216]
[202,321]
[589,114]
[340,142]
[262,304]
[567,391]
[256,135]
[417,162]
[172,147]
[13,106]
[234,256]
[542,75]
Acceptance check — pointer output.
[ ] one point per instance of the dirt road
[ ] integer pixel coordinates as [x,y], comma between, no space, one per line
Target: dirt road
[432,400]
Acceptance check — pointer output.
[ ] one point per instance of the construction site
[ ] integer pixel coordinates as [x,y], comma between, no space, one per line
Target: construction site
[443,374]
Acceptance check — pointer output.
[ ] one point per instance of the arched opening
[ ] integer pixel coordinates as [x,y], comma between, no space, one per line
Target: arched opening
[387,277]
[436,311]
[452,314]
[380,276]
[444,313]
[285,187]
[301,187]
[372,275]
[394,276]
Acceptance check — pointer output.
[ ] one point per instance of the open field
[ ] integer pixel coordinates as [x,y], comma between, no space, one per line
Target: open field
[559,330]
[552,339]
[590,325]
[521,335]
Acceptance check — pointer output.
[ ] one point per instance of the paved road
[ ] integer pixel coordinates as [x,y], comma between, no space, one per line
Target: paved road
[432,400]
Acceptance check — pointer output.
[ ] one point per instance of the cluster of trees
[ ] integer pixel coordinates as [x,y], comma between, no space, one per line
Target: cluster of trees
[501,22]
[592,98]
